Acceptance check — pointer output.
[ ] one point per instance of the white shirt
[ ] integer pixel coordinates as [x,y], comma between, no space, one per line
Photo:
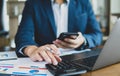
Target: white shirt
[61,16]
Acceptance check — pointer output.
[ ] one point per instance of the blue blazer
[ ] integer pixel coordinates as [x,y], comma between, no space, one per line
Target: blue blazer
[38,25]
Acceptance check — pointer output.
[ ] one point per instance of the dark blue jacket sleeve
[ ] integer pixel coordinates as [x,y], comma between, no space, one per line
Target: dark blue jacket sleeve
[93,33]
[25,34]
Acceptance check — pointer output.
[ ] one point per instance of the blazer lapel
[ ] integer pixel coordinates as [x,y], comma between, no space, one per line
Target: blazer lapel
[48,9]
[71,15]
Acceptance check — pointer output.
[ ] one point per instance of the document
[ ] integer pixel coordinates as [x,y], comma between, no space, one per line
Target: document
[11,55]
[24,66]
[71,51]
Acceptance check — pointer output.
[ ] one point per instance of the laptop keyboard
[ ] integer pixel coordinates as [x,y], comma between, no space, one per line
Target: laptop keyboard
[72,66]
[64,68]
[76,66]
[87,62]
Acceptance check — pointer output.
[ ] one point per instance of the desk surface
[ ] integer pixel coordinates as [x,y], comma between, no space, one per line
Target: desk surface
[113,70]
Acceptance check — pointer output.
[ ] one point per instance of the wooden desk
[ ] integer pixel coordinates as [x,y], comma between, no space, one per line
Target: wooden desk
[113,70]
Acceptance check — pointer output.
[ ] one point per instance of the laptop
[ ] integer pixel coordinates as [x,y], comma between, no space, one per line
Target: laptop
[88,61]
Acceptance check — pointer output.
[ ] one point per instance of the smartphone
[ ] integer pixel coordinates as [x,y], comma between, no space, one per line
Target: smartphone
[66,35]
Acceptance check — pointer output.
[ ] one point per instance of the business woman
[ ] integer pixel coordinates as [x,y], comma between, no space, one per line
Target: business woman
[44,20]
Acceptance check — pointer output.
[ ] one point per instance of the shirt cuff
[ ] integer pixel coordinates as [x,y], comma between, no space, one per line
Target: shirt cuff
[22,49]
[84,45]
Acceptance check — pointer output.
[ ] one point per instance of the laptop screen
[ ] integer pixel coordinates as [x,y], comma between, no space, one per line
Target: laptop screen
[111,50]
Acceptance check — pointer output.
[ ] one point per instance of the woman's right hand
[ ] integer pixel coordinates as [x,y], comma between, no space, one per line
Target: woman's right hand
[48,53]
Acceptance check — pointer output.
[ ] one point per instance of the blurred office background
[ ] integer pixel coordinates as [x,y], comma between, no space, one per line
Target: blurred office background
[106,11]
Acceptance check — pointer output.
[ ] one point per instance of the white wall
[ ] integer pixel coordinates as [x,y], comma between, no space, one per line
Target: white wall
[5,17]
[98,6]
[115,6]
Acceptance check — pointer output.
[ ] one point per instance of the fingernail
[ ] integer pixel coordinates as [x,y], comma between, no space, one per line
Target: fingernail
[55,63]
[49,61]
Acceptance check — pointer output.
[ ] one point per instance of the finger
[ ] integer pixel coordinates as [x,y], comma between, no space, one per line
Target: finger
[45,55]
[33,58]
[81,37]
[66,45]
[73,37]
[80,34]
[59,45]
[39,58]
[54,42]
[36,57]
[53,59]
[55,49]
[70,41]
[63,44]
[58,58]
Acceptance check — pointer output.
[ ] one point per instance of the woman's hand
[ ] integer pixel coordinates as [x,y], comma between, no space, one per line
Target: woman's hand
[48,53]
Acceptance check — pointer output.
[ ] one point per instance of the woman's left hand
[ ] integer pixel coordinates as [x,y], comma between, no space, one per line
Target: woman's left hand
[70,43]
